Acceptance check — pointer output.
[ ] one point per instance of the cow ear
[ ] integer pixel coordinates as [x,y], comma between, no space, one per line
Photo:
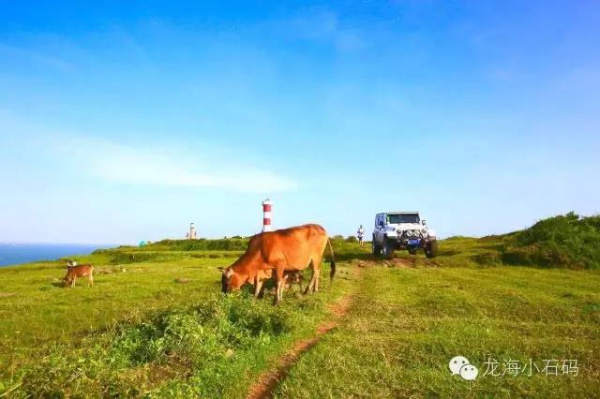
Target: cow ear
[220,268]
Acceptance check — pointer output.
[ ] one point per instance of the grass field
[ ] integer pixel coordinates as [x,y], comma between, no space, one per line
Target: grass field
[155,325]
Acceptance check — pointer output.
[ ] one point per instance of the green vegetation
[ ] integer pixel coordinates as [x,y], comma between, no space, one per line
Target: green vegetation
[202,244]
[566,241]
[156,325]
[405,324]
[156,329]
[562,241]
[201,351]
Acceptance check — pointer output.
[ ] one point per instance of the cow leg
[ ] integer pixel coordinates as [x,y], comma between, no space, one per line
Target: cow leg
[91,280]
[282,285]
[261,294]
[73,281]
[280,281]
[311,283]
[313,278]
[257,287]
[317,275]
[316,264]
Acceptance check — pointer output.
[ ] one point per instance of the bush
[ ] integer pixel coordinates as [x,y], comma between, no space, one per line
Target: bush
[561,241]
[146,256]
[199,339]
[225,244]
[351,239]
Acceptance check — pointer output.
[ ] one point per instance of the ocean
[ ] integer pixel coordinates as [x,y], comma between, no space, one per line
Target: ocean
[13,254]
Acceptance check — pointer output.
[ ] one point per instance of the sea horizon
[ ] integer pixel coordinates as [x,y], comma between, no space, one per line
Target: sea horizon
[14,253]
[58,243]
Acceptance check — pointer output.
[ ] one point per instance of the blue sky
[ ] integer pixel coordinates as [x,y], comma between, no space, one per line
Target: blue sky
[125,121]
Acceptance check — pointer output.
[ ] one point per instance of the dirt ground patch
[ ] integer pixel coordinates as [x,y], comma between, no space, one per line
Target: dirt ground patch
[396,262]
[267,382]
[399,262]
[6,294]
[340,308]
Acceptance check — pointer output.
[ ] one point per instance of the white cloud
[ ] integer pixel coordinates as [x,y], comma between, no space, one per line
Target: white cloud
[170,167]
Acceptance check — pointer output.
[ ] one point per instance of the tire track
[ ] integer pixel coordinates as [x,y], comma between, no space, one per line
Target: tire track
[268,381]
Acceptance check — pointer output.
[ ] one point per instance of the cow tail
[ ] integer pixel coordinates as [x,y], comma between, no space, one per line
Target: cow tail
[332,263]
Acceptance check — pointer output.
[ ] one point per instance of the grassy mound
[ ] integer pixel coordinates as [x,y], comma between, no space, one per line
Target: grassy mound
[562,241]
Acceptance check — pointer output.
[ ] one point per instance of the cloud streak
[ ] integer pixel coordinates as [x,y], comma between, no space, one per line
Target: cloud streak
[35,57]
[170,167]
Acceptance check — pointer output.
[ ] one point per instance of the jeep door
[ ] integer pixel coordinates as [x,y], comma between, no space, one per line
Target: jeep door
[379,219]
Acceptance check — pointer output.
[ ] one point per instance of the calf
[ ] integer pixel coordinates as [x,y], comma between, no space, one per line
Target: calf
[293,277]
[290,277]
[79,271]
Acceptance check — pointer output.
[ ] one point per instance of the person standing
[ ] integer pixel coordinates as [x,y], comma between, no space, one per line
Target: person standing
[360,233]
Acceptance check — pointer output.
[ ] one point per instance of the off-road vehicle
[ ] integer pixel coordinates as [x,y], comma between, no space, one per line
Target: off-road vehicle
[402,230]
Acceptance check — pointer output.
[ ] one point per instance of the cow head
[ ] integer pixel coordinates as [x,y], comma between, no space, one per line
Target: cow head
[225,276]
[230,280]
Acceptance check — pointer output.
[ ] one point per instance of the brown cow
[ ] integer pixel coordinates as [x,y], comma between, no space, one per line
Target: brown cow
[292,249]
[79,271]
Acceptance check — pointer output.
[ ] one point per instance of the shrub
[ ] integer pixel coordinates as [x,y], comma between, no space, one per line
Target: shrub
[199,339]
[561,241]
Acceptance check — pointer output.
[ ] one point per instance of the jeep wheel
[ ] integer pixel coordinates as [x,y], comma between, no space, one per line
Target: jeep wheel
[432,249]
[388,249]
[376,249]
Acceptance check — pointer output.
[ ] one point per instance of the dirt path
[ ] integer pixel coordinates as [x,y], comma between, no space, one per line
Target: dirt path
[268,381]
[402,262]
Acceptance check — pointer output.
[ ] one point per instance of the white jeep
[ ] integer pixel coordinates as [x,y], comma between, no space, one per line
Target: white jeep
[402,230]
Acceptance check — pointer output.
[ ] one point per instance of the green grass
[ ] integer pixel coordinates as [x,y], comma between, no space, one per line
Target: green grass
[406,324]
[40,310]
[140,333]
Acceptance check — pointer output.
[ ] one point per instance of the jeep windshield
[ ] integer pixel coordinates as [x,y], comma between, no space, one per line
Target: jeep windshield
[403,218]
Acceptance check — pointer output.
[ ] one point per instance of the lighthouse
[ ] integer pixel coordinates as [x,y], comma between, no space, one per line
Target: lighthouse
[267,206]
[192,233]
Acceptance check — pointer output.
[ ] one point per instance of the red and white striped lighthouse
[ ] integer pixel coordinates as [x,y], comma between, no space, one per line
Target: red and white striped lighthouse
[267,204]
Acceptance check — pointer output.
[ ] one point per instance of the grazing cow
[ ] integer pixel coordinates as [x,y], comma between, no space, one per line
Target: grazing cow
[79,271]
[275,252]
